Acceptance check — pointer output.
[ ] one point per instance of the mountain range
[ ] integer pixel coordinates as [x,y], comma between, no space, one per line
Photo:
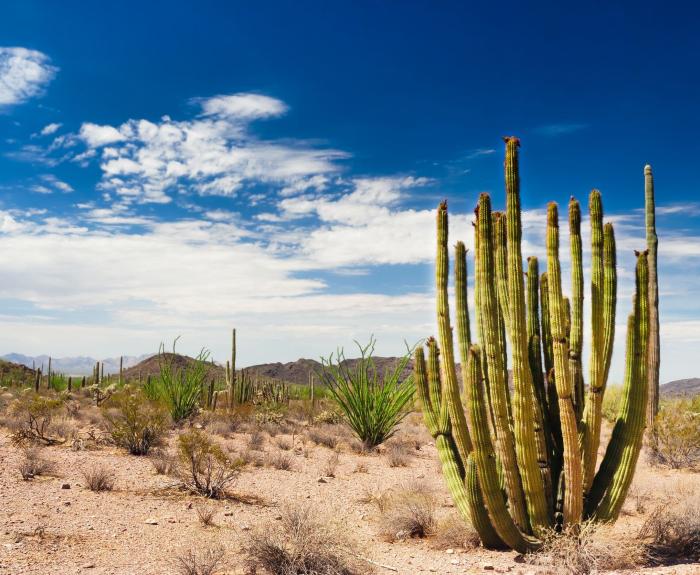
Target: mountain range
[79,365]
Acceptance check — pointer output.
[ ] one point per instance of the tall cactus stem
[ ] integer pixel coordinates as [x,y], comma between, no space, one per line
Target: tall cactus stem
[573,500]
[522,378]
[654,341]
[576,335]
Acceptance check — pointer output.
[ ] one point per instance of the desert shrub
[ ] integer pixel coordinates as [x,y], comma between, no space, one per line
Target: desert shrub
[98,478]
[328,416]
[409,513]
[672,533]
[674,440]
[398,455]
[135,423]
[256,440]
[454,532]
[179,387]
[323,437]
[270,413]
[200,561]
[163,461]
[284,443]
[373,403]
[33,464]
[301,543]
[205,514]
[331,464]
[280,460]
[203,467]
[590,549]
[378,498]
[33,419]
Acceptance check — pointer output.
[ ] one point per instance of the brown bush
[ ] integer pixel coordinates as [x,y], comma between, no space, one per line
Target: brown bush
[672,532]
[593,548]
[32,419]
[409,513]
[398,454]
[99,478]
[205,514]
[454,532]
[135,423]
[280,460]
[200,562]
[331,465]
[164,462]
[301,543]
[323,437]
[33,464]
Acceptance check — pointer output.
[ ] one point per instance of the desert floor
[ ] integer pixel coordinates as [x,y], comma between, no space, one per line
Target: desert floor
[55,525]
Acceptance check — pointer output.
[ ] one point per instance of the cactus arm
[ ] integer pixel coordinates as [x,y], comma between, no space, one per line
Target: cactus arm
[542,430]
[463,328]
[522,378]
[654,343]
[494,350]
[451,389]
[576,337]
[573,500]
[501,261]
[486,464]
[594,405]
[617,472]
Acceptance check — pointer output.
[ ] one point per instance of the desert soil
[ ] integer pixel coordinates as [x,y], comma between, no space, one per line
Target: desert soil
[55,525]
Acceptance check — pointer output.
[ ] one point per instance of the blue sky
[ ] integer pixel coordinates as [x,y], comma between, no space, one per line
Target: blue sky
[179,168]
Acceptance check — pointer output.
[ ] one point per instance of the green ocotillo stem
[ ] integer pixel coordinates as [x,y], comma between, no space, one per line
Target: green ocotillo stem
[466,495]
[544,447]
[617,469]
[486,464]
[594,405]
[573,499]
[498,379]
[522,378]
[576,334]
[654,343]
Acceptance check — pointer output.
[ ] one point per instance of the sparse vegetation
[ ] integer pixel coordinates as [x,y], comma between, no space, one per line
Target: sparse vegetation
[205,561]
[33,464]
[33,418]
[205,513]
[163,461]
[672,532]
[301,543]
[373,403]
[135,423]
[398,455]
[323,436]
[674,441]
[98,478]
[409,513]
[280,460]
[203,467]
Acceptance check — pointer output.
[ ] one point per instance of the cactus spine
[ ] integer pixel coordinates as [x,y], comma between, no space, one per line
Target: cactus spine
[654,343]
[526,464]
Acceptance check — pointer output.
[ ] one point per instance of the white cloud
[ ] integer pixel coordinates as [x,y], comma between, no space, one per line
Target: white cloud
[23,74]
[244,106]
[96,136]
[50,129]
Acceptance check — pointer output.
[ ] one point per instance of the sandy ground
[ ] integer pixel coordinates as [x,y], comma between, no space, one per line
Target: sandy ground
[139,529]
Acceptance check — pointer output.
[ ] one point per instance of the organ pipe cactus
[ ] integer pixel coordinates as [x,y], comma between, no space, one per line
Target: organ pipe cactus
[524,461]
[654,344]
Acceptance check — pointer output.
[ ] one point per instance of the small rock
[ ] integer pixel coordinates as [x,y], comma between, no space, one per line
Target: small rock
[65,486]
[487,566]
[245,527]
[450,551]
[455,562]
[322,480]
[151,521]
[88,566]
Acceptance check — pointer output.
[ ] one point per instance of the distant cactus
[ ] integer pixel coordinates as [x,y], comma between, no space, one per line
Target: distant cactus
[544,434]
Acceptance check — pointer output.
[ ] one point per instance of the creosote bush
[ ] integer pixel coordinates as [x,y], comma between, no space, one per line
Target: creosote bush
[99,478]
[203,467]
[373,403]
[205,561]
[409,513]
[136,424]
[33,419]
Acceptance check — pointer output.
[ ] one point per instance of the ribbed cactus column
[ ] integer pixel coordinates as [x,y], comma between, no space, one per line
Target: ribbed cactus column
[654,341]
[576,335]
[517,328]
[494,349]
[573,500]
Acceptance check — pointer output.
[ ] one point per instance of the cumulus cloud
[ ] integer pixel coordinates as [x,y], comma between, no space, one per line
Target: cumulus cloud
[24,74]
[214,154]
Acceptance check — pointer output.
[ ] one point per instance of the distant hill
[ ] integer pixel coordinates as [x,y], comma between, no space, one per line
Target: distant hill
[80,365]
[681,388]
[15,374]
[292,372]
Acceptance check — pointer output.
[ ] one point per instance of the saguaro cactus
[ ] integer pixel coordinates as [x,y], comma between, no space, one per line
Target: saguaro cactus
[525,464]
